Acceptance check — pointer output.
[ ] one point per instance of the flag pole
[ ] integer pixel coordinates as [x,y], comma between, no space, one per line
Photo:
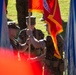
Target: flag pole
[65,64]
[28,36]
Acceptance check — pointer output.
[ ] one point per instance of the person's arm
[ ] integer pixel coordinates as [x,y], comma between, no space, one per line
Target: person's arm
[39,58]
[23,47]
[32,39]
[37,44]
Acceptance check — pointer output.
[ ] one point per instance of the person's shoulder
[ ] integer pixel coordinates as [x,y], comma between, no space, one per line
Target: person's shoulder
[42,43]
[39,31]
[49,41]
[60,37]
[22,31]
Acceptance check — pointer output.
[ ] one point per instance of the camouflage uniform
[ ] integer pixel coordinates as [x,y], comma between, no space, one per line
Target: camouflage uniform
[36,33]
[22,12]
[55,65]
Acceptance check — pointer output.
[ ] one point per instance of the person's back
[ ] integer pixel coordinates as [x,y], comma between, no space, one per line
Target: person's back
[54,64]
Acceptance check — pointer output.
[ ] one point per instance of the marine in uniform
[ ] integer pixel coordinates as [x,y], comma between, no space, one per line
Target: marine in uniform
[13,29]
[51,62]
[38,34]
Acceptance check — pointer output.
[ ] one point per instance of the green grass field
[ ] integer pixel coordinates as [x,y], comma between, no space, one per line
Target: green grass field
[64,9]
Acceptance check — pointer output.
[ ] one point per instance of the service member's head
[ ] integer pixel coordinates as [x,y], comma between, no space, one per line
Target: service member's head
[32,21]
[13,25]
[13,28]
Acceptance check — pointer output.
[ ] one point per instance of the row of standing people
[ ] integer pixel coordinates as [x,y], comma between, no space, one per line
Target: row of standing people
[53,65]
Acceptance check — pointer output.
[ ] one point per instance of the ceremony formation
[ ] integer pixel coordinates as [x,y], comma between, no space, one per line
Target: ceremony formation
[35,39]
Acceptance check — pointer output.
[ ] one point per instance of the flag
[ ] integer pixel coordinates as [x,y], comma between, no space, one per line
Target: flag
[53,19]
[70,39]
[4,37]
[35,5]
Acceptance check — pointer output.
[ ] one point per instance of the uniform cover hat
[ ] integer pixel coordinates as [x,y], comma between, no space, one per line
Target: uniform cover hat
[12,24]
[32,19]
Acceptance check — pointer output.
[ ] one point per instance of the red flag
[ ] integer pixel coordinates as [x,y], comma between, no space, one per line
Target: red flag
[53,19]
[35,5]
